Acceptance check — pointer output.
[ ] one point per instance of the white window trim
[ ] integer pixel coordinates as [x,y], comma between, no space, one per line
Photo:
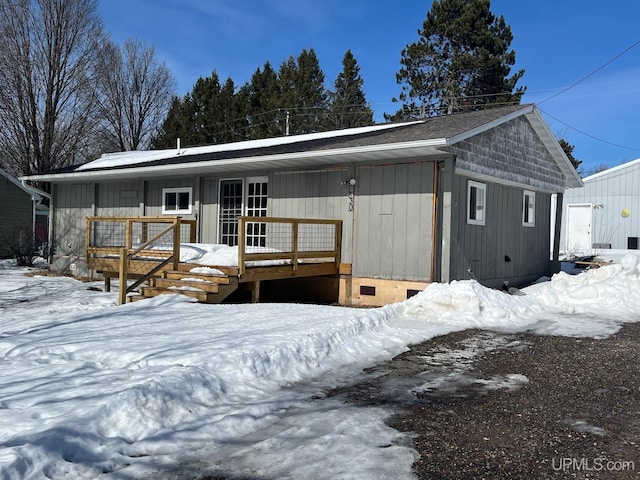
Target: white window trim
[481,187]
[177,211]
[532,218]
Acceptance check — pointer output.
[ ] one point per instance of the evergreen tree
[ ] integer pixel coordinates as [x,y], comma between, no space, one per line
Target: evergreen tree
[212,113]
[348,106]
[568,150]
[174,126]
[262,96]
[292,100]
[303,96]
[462,61]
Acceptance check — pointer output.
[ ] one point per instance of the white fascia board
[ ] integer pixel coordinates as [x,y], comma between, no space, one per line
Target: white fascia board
[572,178]
[488,126]
[287,160]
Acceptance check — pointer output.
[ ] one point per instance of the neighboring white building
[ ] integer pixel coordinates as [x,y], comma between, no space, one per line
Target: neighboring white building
[604,213]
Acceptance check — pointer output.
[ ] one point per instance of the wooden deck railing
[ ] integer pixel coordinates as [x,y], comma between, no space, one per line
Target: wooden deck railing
[291,240]
[127,239]
[141,247]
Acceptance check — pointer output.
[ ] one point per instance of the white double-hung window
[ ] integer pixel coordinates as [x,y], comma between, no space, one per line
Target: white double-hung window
[476,202]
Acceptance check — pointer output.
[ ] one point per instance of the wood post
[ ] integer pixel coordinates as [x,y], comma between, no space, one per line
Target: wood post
[87,237]
[129,234]
[255,291]
[241,245]
[176,243]
[338,243]
[122,294]
[294,244]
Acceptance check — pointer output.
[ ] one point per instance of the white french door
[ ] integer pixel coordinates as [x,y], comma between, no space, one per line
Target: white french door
[243,197]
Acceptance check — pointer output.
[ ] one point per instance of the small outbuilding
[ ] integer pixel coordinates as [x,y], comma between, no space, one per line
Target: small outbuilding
[604,213]
[462,196]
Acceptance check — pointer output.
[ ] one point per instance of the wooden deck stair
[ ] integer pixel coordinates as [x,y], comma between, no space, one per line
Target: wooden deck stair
[204,287]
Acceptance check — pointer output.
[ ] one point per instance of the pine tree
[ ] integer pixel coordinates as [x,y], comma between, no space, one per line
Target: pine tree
[461,61]
[568,150]
[212,113]
[262,94]
[174,126]
[303,95]
[348,106]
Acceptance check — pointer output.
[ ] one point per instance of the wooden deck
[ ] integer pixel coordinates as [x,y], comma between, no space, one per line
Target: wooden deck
[307,248]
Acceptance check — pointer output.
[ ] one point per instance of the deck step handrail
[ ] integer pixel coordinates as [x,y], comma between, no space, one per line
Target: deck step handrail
[126,252]
[126,257]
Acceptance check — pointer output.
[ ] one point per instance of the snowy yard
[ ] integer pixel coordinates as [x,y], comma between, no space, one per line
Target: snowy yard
[164,387]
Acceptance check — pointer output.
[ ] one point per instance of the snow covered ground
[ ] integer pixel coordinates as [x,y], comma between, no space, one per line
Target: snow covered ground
[164,387]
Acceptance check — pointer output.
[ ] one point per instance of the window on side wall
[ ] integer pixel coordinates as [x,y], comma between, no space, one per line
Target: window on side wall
[528,209]
[476,202]
[176,201]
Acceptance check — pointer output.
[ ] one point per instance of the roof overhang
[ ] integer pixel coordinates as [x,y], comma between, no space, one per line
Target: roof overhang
[391,152]
[572,178]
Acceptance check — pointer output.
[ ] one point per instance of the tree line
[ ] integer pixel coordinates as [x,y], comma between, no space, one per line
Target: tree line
[68,93]
[292,100]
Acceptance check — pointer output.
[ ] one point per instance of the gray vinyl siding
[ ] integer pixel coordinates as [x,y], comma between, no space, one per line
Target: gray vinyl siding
[502,249]
[153,201]
[121,199]
[72,203]
[609,194]
[209,210]
[315,195]
[17,214]
[394,218]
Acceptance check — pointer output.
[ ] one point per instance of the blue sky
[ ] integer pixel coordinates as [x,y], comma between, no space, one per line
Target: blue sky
[558,43]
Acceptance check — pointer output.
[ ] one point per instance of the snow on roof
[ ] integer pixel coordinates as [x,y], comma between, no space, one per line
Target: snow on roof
[120,159]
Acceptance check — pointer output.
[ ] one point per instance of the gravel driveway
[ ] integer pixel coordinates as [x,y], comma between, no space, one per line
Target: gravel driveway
[495,406]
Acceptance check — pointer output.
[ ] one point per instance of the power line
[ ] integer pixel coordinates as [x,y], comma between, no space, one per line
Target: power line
[588,134]
[592,73]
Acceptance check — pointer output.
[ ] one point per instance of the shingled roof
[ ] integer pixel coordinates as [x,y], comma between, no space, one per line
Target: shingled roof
[424,137]
[441,127]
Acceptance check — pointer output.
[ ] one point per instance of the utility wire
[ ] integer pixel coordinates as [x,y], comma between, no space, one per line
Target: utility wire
[589,135]
[592,73]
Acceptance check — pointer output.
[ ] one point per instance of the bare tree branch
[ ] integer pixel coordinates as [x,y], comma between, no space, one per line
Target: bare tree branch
[135,95]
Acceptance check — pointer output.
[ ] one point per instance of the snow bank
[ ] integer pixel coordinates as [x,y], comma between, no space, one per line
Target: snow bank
[95,390]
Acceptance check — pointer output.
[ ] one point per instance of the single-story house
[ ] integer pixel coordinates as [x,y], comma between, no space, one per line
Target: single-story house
[605,213]
[463,196]
[23,216]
